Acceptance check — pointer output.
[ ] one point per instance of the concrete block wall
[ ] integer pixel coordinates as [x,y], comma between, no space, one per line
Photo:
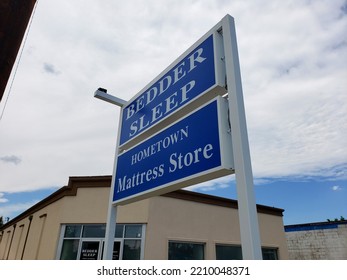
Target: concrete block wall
[319,241]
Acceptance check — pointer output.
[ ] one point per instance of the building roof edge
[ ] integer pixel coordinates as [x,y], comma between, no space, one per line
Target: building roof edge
[104,181]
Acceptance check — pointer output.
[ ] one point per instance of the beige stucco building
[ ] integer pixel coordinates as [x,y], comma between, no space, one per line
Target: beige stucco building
[70,224]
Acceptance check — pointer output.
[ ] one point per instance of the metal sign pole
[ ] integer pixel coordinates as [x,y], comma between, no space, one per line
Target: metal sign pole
[112,210]
[110,230]
[249,228]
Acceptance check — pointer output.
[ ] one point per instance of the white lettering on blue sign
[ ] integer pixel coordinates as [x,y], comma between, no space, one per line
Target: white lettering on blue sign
[189,78]
[179,161]
[162,144]
[170,103]
[188,147]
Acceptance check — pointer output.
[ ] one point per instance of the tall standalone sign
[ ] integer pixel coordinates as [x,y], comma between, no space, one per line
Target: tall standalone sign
[181,130]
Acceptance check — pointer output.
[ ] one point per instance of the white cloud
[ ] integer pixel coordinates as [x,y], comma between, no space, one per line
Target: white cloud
[11,159]
[336,188]
[50,69]
[2,199]
[292,67]
[12,210]
[220,183]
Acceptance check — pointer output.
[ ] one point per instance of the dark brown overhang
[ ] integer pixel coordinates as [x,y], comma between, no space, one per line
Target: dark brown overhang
[220,201]
[14,18]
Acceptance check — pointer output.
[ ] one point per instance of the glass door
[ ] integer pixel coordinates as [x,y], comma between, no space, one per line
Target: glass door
[116,250]
[90,250]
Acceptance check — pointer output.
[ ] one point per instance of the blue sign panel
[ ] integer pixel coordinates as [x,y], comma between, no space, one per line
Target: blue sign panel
[189,147]
[189,78]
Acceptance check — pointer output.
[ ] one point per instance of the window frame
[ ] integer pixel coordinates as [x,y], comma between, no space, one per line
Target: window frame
[238,246]
[187,242]
[81,239]
[275,250]
[263,248]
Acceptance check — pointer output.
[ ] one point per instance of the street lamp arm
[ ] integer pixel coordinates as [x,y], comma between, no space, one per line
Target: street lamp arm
[102,94]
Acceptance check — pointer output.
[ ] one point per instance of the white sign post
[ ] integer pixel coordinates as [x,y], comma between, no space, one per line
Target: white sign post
[249,227]
[191,81]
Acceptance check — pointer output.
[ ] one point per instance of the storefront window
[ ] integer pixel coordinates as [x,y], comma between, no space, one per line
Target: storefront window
[186,251]
[132,250]
[119,231]
[228,252]
[234,252]
[69,249]
[90,250]
[269,253]
[94,231]
[73,231]
[133,231]
[86,242]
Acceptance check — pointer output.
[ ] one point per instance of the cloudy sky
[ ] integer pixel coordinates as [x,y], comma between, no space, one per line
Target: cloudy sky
[293,58]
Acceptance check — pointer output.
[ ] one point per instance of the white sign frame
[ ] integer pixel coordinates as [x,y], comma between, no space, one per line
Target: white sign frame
[249,227]
[225,153]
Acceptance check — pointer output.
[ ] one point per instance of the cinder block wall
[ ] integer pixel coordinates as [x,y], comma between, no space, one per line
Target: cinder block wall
[325,241]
